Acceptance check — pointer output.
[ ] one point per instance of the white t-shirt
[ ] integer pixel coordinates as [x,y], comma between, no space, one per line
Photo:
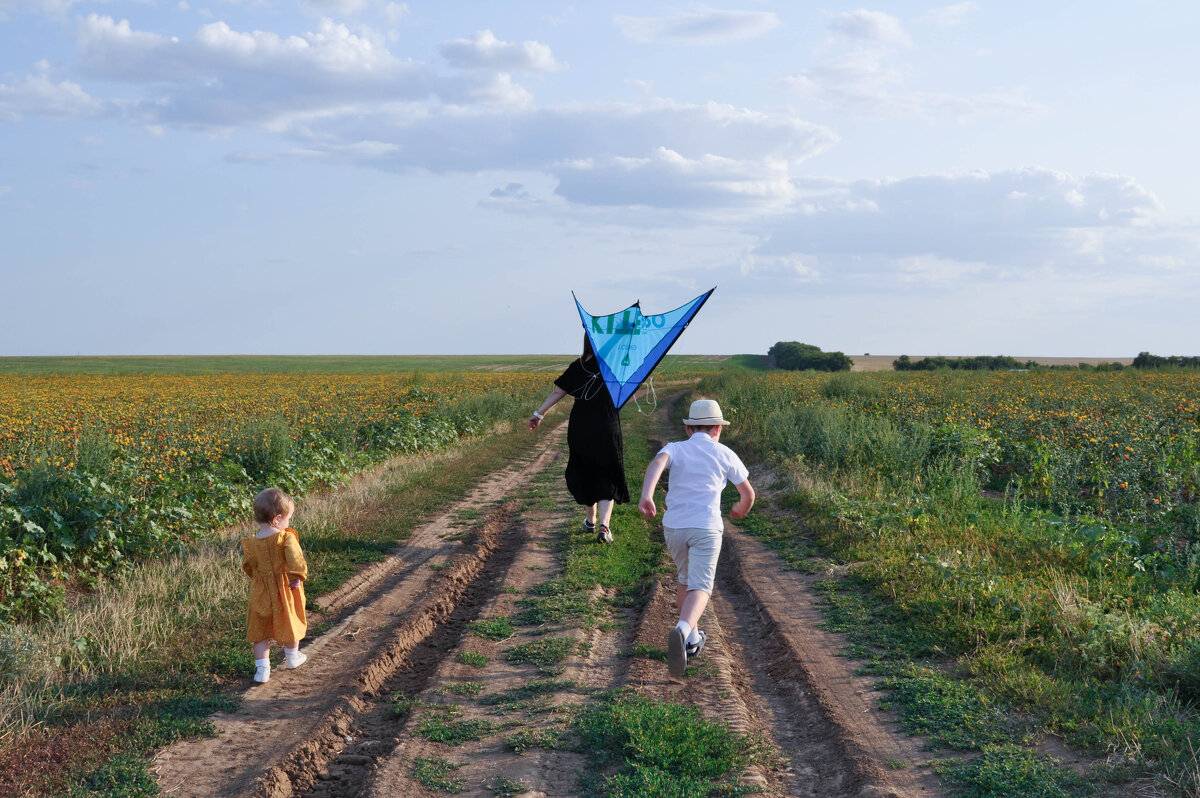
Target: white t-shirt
[700,467]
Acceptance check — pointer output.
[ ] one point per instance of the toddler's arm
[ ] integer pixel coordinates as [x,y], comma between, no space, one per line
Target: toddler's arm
[653,473]
[742,508]
[297,568]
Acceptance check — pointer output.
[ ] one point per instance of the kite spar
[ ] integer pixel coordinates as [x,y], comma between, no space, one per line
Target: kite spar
[629,344]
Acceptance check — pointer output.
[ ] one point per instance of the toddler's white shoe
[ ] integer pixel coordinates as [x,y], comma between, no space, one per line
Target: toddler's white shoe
[262,674]
[294,661]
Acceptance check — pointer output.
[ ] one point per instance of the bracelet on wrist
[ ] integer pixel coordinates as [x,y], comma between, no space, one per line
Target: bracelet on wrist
[538,415]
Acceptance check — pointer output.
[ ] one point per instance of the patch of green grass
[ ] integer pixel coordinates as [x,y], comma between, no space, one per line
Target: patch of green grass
[547,651]
[1009,771]
[434,773]
[646,652]
[663,749]
[448,726]
[506,787]
[472,658]
[494,629]
[949,711]
[471,689]
[524,739]
[563,608]
[403,705]
[438,566]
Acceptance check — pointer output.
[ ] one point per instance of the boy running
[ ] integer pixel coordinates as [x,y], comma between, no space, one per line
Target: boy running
[692,525]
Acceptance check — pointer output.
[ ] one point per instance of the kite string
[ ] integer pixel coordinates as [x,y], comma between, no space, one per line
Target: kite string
[653,397]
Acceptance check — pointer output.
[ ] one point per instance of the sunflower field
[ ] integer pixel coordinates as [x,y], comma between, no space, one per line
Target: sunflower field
[97,471]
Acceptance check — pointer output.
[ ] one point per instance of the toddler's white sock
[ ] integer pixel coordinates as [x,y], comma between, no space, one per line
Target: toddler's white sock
[265,662]
[683,627]
[694,637]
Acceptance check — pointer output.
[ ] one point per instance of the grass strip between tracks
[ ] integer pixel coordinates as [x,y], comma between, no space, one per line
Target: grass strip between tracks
[97,739]
[636,745]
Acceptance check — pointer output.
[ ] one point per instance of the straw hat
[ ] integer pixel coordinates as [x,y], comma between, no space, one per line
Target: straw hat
[705,413]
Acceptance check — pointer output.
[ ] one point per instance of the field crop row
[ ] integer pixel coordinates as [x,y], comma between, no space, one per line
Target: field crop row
[98,470]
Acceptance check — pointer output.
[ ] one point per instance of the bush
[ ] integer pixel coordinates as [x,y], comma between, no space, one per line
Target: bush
[795,356]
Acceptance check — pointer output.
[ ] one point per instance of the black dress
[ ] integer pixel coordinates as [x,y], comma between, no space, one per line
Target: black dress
[596,462]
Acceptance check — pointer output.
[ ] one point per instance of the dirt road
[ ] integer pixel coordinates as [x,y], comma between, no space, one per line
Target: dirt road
[398,653]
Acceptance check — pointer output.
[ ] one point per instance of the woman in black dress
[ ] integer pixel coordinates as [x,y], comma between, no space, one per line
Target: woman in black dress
[596,462]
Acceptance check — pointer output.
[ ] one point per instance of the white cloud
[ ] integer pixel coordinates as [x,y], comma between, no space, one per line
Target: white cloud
[868,82]
[705,27]
[484,51]
[666,179]
[951,16]
[39,95]
[1019,219]
[224,77]
[873,26]
[562,138]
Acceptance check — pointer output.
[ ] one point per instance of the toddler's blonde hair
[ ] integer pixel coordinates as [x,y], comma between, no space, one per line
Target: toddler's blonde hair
[270,503]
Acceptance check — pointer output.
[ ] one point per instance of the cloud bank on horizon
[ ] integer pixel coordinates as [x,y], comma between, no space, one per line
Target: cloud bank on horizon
[919,177]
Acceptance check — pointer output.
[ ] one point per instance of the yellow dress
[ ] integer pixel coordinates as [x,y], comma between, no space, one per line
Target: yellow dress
[275,611]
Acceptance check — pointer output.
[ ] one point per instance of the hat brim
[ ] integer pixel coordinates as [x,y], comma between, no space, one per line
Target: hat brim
[705,422]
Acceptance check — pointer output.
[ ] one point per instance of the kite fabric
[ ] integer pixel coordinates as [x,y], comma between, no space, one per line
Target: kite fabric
[629,345]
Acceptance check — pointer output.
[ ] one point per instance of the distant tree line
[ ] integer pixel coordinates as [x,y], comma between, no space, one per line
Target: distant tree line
[1145,360]
[977,363]
[795,356]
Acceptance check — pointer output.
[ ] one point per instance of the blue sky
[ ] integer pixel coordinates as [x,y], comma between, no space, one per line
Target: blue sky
[371,176]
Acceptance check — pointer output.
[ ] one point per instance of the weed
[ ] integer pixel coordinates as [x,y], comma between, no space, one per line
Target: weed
[546,652]
[1007,771]
[464,688]
[506,787]
[661,748]
[495,629]
[472,658]
[646,652]
[434,773]
[445,724]
[521,741]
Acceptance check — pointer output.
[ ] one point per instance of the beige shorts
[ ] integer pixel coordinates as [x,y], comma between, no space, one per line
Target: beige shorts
[695,553]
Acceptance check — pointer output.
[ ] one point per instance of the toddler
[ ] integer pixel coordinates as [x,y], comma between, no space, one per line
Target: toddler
[275,564]
[692,525]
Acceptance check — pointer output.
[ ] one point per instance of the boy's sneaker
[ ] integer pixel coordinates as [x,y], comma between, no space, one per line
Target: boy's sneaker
[604,534]
[262,674]
[695,648]
[589,527]
[294,662]
[677,654]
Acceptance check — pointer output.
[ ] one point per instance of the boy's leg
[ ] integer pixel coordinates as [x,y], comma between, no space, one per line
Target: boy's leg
[692,606]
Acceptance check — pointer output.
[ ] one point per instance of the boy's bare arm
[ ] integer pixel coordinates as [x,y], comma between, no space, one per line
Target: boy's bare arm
[653,472]
[742,508]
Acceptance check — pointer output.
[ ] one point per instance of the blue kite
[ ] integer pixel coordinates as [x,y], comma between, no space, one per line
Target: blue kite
[629,344]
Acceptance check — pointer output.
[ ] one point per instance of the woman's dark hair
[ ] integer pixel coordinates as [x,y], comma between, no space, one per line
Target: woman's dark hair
[588,355]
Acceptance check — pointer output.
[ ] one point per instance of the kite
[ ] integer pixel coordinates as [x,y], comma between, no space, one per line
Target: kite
[628,344]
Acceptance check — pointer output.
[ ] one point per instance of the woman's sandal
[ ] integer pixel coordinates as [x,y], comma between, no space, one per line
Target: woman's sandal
[589,527]
[604,534]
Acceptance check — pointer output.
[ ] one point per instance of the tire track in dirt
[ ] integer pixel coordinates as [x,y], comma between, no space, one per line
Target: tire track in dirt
[796,673]
[490,760]
[768,667]
[290,726]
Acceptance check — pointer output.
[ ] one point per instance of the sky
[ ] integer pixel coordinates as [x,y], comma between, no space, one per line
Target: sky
[381,177]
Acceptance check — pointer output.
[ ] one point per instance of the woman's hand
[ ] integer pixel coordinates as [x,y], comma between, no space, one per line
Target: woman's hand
[534,422]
